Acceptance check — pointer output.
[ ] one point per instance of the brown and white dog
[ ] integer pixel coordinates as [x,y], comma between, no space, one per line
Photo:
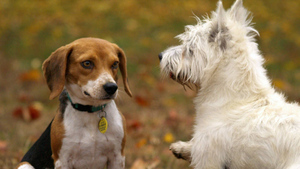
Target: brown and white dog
[88,130]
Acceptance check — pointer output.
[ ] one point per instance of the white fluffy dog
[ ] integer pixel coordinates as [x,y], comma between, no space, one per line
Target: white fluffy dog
[241,122]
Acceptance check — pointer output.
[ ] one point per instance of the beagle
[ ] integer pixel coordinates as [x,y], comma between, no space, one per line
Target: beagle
[88,130]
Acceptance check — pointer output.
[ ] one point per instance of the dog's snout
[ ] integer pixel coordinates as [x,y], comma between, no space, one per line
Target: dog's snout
[110,88]
[160,56]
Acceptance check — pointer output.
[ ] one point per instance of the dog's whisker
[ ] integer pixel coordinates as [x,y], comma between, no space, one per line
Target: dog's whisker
[184,87]
[119,96]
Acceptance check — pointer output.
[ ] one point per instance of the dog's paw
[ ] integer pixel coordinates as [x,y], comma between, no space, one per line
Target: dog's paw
[181,150]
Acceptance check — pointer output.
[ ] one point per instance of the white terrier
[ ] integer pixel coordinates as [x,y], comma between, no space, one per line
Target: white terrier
[241,122]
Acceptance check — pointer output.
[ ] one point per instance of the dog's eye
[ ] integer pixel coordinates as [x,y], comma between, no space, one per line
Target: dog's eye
[87,64]
[115,65]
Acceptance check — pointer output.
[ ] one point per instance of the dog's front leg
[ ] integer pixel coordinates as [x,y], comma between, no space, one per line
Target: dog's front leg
[117,161]
[182,149]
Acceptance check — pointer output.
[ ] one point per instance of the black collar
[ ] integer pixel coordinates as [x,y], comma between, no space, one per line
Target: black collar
[86,108]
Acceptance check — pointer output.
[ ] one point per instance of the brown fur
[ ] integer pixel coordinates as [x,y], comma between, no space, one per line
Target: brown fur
[57,134]
[54,69]
[124,138]
[64,64]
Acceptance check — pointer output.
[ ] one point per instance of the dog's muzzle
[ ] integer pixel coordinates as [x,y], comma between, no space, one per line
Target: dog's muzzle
[171,75]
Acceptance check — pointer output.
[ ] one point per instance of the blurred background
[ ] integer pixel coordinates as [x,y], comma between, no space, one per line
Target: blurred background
[161,111]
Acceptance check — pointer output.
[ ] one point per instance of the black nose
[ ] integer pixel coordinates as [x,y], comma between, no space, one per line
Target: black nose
[110,88]
[160,56]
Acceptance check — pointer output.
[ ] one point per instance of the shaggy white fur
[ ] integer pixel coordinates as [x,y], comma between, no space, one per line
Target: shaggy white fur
[241,122]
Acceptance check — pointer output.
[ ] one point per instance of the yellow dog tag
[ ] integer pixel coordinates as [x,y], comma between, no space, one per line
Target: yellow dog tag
[102,126]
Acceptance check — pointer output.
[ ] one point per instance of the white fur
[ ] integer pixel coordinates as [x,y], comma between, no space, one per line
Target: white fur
[25,166]
[94,88]
[241,122]
[84,146]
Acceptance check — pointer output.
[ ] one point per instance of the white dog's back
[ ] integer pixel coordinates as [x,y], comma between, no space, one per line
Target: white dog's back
[263,133]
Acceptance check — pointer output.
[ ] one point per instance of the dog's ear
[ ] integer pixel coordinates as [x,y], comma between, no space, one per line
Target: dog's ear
[123,69]
[241,15]
[219,30]
[238,12]
[54,68]
[221,14]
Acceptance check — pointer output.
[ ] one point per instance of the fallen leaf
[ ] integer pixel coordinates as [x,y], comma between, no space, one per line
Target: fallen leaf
[3,146]
[33,112]
[38,105]
[172,119]
[169,138]
[278,83]
[173,115]
[31,75]
[141,143]
[142,101]
[29,113]
[135,124]
[17,112]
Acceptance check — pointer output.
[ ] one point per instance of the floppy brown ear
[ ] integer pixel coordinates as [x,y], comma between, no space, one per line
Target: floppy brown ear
[123,69]
[54,68]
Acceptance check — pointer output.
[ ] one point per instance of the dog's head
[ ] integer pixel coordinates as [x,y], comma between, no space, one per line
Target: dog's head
[205,44]
[88,69]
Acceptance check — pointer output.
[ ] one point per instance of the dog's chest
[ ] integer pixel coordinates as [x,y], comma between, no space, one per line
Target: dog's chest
[84,146]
